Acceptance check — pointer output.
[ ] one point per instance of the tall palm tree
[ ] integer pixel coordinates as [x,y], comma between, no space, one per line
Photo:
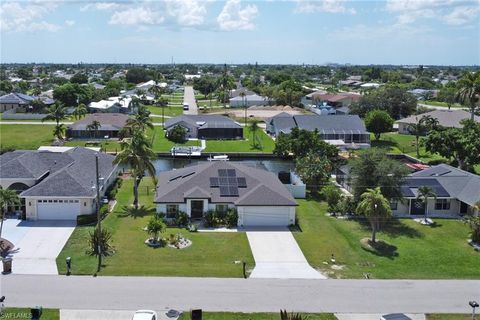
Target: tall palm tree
[57,112]
[8,198]
[375,207]
[243,95]
[80,111]
[136,153]
[424,193]
[254,128]
[469,91]
[93,127]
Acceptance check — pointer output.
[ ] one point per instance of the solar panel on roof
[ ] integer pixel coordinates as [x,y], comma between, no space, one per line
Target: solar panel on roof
[233,190]
[223,181]
[231,173]
[224,192]
[242,182]
[232,181]
[222,172]
[214,182]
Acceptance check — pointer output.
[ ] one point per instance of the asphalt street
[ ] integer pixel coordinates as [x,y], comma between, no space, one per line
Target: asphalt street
[250,295]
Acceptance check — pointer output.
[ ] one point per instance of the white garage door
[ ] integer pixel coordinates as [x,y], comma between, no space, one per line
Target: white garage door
[58,209]
[266,216]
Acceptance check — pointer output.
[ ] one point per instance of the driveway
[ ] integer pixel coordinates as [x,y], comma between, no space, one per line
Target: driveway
[277,255]
[37,244]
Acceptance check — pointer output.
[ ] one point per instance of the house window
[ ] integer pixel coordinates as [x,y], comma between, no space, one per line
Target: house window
[172,210]
[442,204]
[223,208]
[394,205]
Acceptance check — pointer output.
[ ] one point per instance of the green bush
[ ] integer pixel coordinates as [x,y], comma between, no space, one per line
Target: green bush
[177,134]
[86,219]
[231,219]
[181,219]
[215,219]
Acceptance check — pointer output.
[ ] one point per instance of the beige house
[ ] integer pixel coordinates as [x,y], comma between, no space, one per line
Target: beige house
[446,118]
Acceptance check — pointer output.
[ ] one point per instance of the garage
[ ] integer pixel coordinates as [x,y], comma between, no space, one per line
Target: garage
[267,216]
[58,209]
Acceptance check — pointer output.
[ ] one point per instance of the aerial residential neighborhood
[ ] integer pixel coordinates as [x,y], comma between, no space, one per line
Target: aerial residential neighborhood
[240,160]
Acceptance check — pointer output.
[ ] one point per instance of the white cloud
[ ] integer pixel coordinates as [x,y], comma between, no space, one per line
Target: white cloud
[235,17]
[187,12]
[328,6]
[453,12]
[103,6]
[19,17]
[137,16]
[69,22]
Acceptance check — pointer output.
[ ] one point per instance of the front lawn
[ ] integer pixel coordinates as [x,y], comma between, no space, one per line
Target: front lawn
[416,251]
[448,316]
[245,145]
[24,313]
[169,111]
[23,136]
[162,144]
[211,254]
[255,316]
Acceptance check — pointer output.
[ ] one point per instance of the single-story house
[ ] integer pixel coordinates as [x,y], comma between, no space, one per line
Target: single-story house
[446,118]
[338,100]
[236,92]
[113,105]
[258,195]
[20,102]
[457,192]
[56,185]
[248,101]
[341,130]
[110,126]
[420,94]
[206,126]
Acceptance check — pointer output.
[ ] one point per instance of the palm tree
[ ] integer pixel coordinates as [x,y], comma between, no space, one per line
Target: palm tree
[8,198]
[80,111]
[141,121]
[155,226]
[421,128]
[57,112]
[469,90]
[254,128]
[136,153]
[375,207]
[243,95]
[93,127]
[423,194]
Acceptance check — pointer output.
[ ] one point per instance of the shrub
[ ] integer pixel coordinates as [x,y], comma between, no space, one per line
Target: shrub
[333,197]
[474,223]
[177,134]
[181,219]
[102,240]
[231,219]
[211,219]
[86,219]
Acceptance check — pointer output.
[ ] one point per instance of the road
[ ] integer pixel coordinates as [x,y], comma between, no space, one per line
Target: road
[34,122]
[189,97]
[436,107]
[251,295]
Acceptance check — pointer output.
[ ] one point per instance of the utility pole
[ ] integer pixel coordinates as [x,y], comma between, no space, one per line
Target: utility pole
[99,219]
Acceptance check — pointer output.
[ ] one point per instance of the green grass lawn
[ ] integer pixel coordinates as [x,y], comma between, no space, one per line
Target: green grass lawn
[254,316]
[242,145]
[162,144]
[24,313]
[211,254]
[169,111]
[448,316]
[439,103]
[109,146]
[416,252]
[22,136]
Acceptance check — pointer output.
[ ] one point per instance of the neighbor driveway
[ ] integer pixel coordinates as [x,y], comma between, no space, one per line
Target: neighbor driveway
[37,244]
[277,255]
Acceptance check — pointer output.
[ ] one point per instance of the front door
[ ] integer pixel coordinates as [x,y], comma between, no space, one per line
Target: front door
[463,208]
[417,208]
[196,209]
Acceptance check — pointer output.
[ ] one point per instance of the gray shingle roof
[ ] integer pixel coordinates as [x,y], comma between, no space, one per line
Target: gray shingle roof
[108,121]
[71,173]
[446,181]
[20,98]
[263,188]
[203,121]
[446,118]
[331,124]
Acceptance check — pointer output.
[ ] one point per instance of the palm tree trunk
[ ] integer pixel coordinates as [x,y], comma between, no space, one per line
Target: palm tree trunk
[417,138]
[1,223]
[135,193]
[426,209]
[374,233]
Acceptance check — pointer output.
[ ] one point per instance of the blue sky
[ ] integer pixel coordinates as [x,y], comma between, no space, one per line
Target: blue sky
[236,31]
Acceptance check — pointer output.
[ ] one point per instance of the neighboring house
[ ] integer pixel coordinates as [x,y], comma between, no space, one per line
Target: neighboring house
[110,125]
[19,102]
[56,185]
[338,100]
[446,118]
[420,94]
[236,92]
[206,127]
[258,195]
[113,105]
[248,101]
[341,130]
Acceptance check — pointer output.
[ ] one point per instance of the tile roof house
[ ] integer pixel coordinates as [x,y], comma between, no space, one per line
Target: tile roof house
[446,118]
[110,125]
[19,101]
[56,185]
[457,192]
[341,130]
[258,195]
[206,126]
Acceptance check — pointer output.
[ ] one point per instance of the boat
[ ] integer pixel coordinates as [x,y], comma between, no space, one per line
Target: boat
[223,157]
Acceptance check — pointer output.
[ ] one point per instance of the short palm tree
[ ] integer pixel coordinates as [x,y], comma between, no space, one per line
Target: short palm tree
[423,194]
[421,128]
[254,128]
[80,111]
[8,198]
[376,208]
[93,127]
[469,90]
[136,153]
[155,226]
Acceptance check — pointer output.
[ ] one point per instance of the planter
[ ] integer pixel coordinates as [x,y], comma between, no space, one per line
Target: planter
[154,244]
[7,265]
[476,246]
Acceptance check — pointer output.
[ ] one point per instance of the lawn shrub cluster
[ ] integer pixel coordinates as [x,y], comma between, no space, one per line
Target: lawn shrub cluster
[112,190]
[90,219]
[215,219]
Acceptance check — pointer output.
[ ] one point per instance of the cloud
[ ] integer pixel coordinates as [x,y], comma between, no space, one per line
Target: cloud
[328,6]
[102,6]
[235,17]
[187,12]
[452,12]
[20,17]
[136,16]
[69,22]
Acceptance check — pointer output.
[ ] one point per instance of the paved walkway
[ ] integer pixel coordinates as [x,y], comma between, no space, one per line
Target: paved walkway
[240,295]
[278,256]
[189,97]
[37,244]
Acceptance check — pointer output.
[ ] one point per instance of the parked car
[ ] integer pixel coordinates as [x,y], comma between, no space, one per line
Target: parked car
[185,106]
[104,200]
[145,315]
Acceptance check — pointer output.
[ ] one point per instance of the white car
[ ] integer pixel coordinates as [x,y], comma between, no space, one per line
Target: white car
[145,315]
